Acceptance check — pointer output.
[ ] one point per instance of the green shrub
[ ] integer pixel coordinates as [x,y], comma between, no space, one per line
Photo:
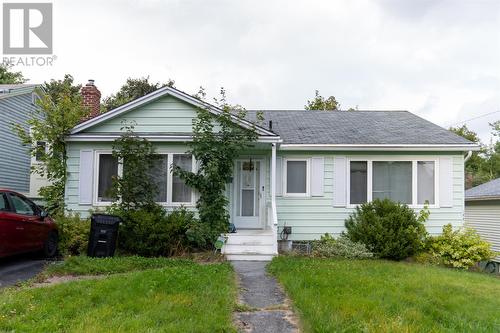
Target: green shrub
[342,247]
[153,232]
[462,248]
[73,234]
[390,230]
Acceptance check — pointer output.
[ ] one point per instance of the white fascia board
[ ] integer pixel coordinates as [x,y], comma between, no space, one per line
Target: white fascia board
[379,147]
[153,138]
[157,94]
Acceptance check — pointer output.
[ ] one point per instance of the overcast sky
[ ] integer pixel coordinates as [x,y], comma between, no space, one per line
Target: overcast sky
[438,59]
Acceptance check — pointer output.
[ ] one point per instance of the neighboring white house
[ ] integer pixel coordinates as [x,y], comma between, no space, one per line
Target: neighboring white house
[307,170]
[482,212]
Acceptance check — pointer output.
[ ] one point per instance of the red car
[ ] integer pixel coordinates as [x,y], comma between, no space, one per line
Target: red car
[25,227]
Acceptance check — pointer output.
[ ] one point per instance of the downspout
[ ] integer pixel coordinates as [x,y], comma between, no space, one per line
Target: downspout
[273,195]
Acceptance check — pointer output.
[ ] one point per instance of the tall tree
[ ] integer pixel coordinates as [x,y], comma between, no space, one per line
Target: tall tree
[321,103]
[475,165]
[10,77]
[132,89]
[60,109]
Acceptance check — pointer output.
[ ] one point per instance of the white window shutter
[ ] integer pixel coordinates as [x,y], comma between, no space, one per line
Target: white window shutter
[445,182]
[279,176]
[317,176]
[339,181]
[85,183]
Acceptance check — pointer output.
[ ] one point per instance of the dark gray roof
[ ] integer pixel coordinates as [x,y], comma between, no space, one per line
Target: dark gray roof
[487,190]
[355,127]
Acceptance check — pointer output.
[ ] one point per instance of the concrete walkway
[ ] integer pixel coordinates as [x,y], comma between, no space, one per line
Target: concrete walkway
[268,307]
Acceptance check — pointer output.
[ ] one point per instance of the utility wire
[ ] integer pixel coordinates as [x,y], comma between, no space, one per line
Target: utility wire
[474,118]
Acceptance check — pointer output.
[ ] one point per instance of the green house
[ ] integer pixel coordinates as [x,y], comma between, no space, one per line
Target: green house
[307,170]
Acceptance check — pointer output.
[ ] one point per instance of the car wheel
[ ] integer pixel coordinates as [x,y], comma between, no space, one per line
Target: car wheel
[50,246]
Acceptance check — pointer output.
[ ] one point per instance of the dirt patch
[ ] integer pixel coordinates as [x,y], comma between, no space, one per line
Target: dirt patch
[53,280]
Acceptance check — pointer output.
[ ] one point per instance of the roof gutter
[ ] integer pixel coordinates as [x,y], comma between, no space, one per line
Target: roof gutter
[380,147]
[493,197]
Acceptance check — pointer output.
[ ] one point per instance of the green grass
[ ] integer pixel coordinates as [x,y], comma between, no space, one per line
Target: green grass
[82,265]
[182,297]
[382,296]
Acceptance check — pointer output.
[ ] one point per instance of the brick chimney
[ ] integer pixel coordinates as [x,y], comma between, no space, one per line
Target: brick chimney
[91,99]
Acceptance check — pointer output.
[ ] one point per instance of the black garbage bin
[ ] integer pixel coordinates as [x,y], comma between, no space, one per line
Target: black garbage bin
[103,234]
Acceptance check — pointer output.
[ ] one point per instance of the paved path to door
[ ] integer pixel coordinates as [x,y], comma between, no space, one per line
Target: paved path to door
[263,294]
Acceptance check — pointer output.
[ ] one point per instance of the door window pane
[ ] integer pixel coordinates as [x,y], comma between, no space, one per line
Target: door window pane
[425,182]
[159,175]
[21,206]
[392,180]
[108,169]
[359,182]
[180,191]
[296,177]
[247,205]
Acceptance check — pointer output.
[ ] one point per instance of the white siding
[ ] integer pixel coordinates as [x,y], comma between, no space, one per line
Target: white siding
[484,217]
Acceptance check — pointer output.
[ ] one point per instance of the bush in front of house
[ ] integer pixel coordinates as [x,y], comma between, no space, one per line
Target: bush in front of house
[389,229]
[152,232]
[461,248]
[341,247]
[73,234]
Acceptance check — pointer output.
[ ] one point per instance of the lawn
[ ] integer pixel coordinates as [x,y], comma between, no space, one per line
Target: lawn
[382,296]
[180,296]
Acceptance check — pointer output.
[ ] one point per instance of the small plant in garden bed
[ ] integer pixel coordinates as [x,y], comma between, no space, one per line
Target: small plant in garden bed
[342,247]
[73,234]
[461,248]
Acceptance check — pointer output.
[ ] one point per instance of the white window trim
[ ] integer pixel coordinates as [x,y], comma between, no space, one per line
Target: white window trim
[97,156]
[413,159]
[308,177]
[170,159]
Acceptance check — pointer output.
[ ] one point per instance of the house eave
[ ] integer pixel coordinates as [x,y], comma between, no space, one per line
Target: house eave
[152,138]
[379,147]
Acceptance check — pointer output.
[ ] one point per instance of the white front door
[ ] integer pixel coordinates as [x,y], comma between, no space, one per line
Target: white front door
[248,198]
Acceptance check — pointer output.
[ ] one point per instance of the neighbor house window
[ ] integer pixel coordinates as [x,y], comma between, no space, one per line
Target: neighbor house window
[41,149]
[296,177]
[107,170]
[392,180]
[180,191]
[409,182]
[359,182]
[425,182]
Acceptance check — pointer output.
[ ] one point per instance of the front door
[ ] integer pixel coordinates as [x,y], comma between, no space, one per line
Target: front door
[248,194]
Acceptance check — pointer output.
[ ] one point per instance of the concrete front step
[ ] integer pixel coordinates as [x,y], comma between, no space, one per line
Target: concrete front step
[256,245]
[239,248]
[250,257]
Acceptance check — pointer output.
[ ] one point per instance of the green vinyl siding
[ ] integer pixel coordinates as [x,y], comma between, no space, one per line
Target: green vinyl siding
[311,217]
[164,115]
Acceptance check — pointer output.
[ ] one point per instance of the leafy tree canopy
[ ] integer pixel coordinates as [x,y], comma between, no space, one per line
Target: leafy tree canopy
[10,77]
[60,109]
[321,103]
[132,89]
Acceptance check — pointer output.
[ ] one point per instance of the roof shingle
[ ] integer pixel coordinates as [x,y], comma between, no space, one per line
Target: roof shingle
[356,127]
